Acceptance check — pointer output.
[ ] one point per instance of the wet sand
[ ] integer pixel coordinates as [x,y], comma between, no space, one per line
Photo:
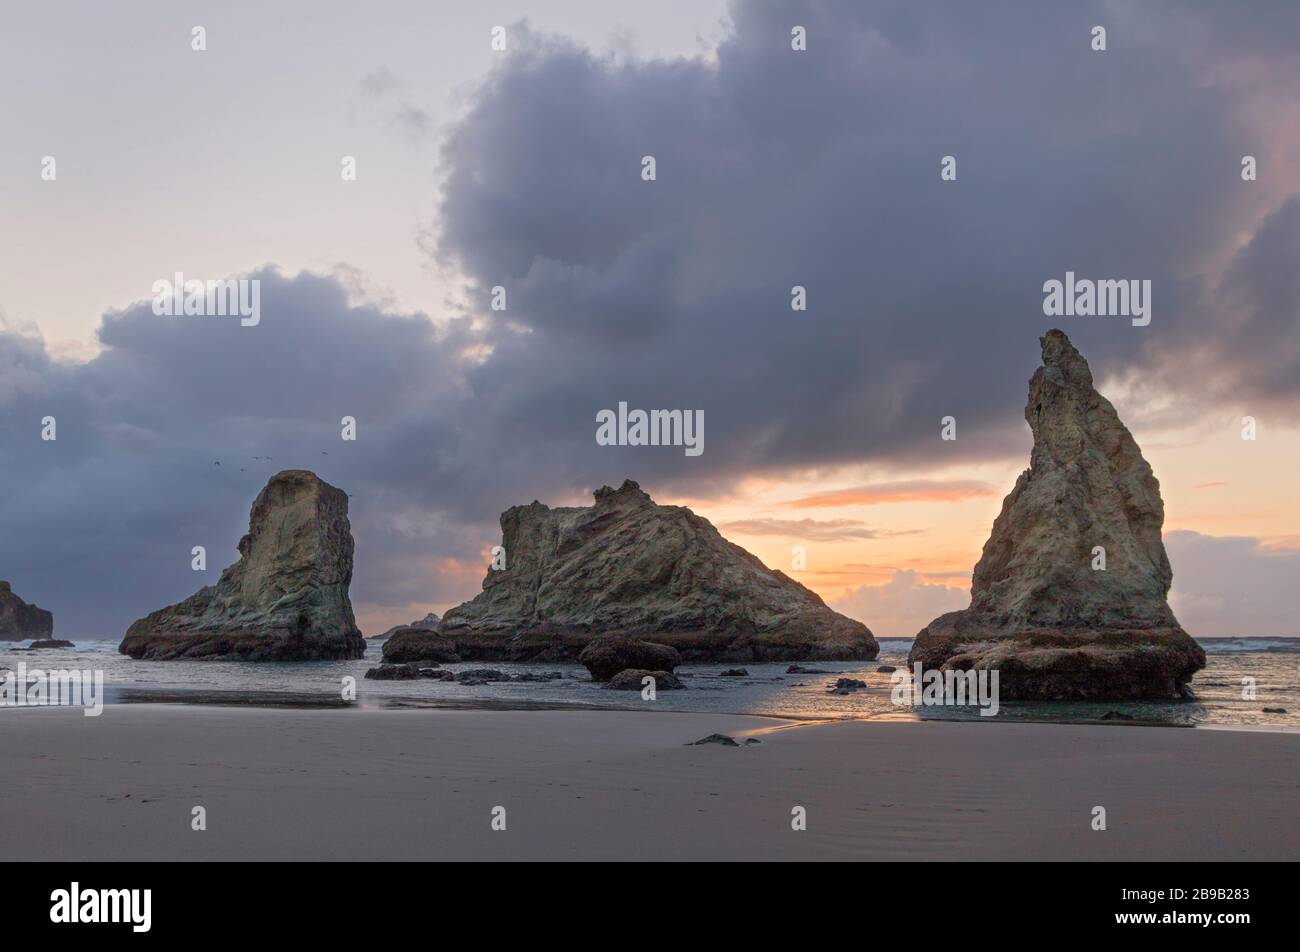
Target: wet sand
[422,785]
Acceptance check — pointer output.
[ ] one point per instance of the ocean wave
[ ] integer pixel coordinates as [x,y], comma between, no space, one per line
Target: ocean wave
[1239,645]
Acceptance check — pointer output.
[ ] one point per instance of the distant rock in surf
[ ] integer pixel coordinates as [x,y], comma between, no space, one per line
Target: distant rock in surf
[1043,612]
[286,599]
[20,621]
[626,566]
[428,623]
[633,679]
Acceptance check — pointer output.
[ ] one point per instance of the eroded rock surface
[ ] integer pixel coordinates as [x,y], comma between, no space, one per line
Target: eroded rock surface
[286,599]
[628,567]
[1054,626]
[20,621]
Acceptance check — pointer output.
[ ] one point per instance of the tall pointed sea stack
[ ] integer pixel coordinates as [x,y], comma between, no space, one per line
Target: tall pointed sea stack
[286,599]
[1043,612]
[627,566]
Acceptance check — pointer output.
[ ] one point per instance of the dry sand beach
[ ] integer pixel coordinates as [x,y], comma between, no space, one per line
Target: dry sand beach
[606,785]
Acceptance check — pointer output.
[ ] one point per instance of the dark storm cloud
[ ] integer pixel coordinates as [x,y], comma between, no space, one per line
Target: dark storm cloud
[778,168]
[775,168]
[99,523]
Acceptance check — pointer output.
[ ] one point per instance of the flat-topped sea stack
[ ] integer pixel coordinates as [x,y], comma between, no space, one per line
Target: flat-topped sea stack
[1044,612]
[629,567]
[286,599]
[20,621]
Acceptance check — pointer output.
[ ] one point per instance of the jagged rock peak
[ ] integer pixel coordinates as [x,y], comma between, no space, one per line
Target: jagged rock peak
[628,566]
[1069,595]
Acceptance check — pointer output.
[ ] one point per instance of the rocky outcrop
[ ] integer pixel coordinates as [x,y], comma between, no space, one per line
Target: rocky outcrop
[428,623]
[606,657]
[1043,612]
[633,679]
[20,621]
[286,599]
[425,644]
[626,566]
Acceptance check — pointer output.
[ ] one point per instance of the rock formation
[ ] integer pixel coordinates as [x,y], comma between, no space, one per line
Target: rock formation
[428,622]
[20,621]
[606,657]
[1043,612]
[286,599]
[633,679]
[626,566]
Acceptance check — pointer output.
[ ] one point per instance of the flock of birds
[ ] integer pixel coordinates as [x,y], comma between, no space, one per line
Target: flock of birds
[244,469]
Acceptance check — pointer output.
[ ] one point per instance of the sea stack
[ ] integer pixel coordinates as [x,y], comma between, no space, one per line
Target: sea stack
[286,599]
[1044,611]
[629,567]
[20,621]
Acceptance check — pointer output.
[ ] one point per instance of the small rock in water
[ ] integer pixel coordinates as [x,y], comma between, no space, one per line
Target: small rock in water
[531,676]
[1274,710]
[607,656]
[477,676]
[631,680]
[393,672]
[800,669]
[847,686]
[722,739]
[886,669]
[734,673]
[1117,716]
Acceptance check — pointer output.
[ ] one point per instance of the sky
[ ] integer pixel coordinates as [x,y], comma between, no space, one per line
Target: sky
[522,168]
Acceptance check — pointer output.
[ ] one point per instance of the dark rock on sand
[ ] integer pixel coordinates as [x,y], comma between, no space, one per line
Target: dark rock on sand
[631,680]
[606,657]
[628,567]
[286,599]
[722,739]
[1274,710]
[1040,614]
[886,669]
[20,621]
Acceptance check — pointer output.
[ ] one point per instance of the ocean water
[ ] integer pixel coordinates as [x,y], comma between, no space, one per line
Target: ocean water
[1273,663]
